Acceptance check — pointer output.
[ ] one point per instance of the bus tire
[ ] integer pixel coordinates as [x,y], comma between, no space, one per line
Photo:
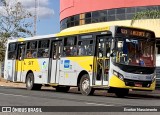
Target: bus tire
[121,92]
[85,87]
[62,88]
[30,83]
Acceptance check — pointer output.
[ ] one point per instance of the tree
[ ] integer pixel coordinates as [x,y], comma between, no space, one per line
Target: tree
[147,14]
[15,21]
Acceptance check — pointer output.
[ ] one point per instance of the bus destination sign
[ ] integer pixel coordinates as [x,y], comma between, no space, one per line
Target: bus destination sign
[134,32]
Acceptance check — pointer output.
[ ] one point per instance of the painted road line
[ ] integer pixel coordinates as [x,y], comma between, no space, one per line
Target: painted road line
[99,104]
[13,95]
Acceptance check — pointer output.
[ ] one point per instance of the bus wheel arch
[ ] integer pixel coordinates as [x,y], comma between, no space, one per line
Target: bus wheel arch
[84,83]
[80,76]
[30,85]
[30,71]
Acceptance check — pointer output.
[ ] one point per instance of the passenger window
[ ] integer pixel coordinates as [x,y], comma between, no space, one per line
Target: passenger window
[43,49]
[12,51]
[85,47]
[70,48]
[31,49]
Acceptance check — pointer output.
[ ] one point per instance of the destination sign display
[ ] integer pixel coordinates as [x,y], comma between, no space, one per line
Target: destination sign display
[135,32]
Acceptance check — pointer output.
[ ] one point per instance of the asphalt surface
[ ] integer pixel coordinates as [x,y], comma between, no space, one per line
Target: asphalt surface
[47,96]
[10,96]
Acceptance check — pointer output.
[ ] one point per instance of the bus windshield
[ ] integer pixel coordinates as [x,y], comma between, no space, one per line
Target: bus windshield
[135,51]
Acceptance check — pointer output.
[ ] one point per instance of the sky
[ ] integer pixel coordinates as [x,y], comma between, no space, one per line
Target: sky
[48,21]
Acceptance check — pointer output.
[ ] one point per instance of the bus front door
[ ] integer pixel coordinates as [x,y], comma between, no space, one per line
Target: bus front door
[20,62]
[102,60]
[55,61]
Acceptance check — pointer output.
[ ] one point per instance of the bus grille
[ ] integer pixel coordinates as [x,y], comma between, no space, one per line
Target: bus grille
[136,83]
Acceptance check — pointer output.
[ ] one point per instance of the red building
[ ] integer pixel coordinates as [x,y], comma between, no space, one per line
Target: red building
[80,12]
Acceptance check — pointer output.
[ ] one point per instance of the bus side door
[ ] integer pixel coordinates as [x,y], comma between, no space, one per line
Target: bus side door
[20,62]
[102,60]
[10,62]
[55,61]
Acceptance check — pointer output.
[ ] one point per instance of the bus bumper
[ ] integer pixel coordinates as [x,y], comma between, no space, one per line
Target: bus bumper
[118,83]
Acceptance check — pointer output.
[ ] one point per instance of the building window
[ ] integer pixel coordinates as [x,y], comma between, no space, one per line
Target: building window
[104,15]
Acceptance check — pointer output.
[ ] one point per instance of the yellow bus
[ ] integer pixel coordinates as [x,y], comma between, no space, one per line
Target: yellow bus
[116,58]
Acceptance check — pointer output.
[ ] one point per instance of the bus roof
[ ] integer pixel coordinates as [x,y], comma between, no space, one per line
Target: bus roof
[32,38]
[84,29]
[95,27]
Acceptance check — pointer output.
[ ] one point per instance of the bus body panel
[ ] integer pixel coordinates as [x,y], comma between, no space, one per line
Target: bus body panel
[55,67]
[118,83]
[70,68]
[66,70]
[39,67]
[9,71]
[115,81]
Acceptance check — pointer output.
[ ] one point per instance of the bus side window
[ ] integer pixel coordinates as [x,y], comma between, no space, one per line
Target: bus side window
[43,49]
[70,48]
[85,47]
[31,49]
[12,51]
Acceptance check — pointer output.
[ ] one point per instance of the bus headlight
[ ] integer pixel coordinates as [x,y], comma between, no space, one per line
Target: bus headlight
[120,76]
[154,78]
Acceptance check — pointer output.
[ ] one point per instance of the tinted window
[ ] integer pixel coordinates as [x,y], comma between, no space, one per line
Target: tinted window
[70,46]
[31,49]
[12,51]
[43,49]
[111,12]
[88,15]
[120,11]
[130,10]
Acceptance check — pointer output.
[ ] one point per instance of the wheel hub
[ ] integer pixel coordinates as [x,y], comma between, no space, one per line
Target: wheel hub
[85,85]
[29,82]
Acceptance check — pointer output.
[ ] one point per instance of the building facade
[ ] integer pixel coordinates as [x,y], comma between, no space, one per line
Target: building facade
[112,12]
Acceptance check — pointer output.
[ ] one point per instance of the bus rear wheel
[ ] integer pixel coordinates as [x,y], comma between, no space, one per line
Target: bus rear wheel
[62,88]
[121,92]
[30,83]
[85,87]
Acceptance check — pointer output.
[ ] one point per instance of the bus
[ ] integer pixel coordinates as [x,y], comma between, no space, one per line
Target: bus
[115,58]
[158,63]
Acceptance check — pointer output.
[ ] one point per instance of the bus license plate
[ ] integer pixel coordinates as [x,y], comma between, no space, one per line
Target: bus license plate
[138,84]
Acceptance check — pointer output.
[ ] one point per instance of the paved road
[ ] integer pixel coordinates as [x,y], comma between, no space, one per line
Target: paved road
[10,96]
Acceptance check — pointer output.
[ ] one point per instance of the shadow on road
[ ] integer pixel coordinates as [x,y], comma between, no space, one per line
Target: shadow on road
[100,93]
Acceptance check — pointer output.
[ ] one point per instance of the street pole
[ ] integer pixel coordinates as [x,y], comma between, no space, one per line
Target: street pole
[35,19]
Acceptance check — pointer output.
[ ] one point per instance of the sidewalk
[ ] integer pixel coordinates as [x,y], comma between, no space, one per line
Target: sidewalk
[11,84]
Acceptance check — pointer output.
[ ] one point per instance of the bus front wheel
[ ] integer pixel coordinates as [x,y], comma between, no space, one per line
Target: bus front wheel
[30,83]
[85,87]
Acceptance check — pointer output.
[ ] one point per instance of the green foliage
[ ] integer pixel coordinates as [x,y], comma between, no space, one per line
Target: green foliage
[2,51]
[15,21]
[147,14]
